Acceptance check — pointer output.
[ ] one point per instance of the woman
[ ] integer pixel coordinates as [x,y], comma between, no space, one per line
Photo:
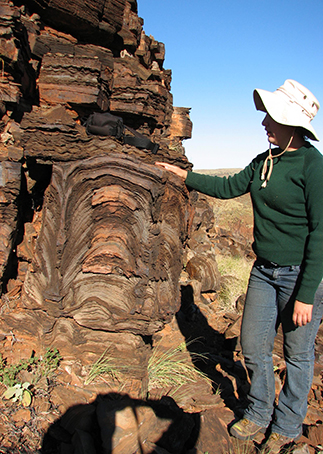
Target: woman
[285,286]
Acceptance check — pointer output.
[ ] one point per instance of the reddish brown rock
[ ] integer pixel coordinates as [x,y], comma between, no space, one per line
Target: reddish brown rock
[127,427]
[93,237]
[10,181]
[9,91]
[213,435]
[9,15]
[109,228]
[140,97]
[49,41]
[131,27]
[69,79]
[97,19]
[181,126]
[21,416]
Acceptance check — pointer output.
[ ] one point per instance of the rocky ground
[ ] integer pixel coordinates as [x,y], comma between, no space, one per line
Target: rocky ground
[102,417]
[78,410]
[96,354]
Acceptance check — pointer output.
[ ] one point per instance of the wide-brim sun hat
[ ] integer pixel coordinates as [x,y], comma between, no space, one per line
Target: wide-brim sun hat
[292,104]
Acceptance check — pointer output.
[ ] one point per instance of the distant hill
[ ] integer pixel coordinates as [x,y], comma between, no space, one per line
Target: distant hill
[232,216]
[218,172]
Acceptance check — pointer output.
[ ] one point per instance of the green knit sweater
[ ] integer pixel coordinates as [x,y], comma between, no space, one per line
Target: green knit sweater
[288,213]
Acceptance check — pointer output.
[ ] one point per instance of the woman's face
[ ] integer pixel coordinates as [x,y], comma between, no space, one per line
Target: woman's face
[277,134]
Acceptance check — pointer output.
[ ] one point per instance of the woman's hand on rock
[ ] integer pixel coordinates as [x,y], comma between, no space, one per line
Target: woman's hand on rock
[174,169]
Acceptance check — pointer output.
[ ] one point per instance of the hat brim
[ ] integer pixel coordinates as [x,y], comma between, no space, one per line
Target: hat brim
[282,111]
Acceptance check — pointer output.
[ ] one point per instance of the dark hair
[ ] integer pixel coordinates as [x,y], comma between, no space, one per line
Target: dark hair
[302,132]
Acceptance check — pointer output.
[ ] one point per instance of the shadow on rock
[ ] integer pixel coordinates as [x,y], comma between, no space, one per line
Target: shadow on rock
[116,423]
[228,376]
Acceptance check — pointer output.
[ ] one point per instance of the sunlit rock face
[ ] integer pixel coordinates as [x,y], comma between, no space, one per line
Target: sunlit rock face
[109,254]
[10,182]
[93,232]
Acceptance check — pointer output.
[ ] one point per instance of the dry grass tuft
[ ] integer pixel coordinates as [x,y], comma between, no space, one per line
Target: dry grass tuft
[105,366]
[235,273]
[172,369]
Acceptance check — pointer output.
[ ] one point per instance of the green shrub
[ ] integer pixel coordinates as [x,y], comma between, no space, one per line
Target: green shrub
[38,367]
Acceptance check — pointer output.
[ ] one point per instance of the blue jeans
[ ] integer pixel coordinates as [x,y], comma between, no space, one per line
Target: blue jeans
[270,300]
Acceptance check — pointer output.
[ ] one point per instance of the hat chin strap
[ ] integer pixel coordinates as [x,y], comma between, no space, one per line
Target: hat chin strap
[270,159]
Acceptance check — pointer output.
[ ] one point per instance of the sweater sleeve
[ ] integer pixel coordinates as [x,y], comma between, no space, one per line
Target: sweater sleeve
[313,256]
[222,187]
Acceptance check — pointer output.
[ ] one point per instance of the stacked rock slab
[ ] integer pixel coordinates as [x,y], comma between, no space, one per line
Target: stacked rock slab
[92,232]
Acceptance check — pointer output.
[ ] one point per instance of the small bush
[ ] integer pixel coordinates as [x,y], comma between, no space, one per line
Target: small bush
[42,367]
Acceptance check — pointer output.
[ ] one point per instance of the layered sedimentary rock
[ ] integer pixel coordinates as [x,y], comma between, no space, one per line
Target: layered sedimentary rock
[87,20]
[110,250]
[10,181]
[93,232]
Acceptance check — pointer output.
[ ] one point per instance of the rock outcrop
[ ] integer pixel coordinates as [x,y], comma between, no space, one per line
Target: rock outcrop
[92,231]
[102,253]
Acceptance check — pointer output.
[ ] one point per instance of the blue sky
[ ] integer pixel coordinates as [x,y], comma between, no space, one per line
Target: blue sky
[219,51]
